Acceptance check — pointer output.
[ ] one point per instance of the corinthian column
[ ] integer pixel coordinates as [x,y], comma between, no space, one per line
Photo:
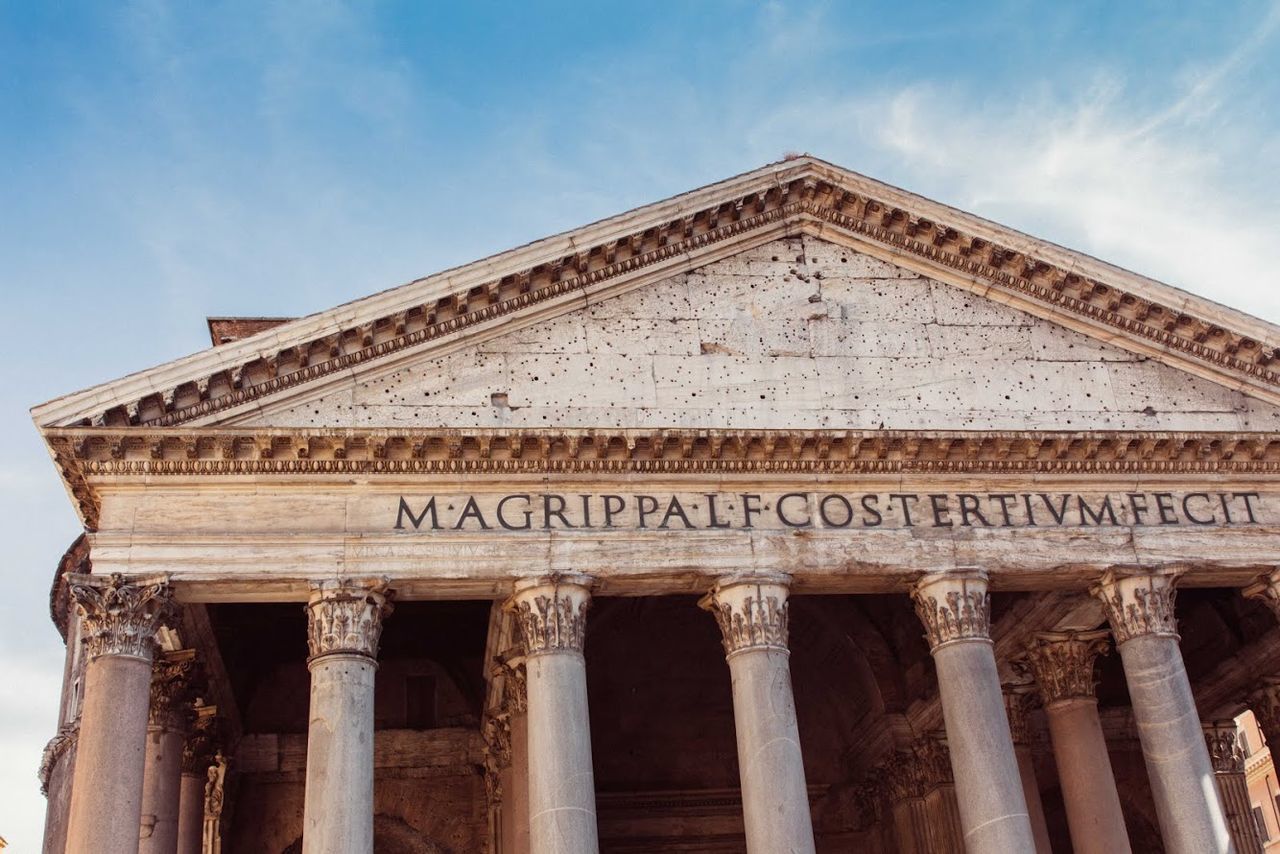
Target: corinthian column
[119,619]
[171,696]
[945,834]
[344,624]
[551,613]
[752,613]
[1062,664]
[1016,700]
[904,784]
[955,609]
[1227,757]
[1139,606]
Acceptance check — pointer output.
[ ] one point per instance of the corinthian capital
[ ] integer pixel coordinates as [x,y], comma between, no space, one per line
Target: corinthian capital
[1017,705]
[953,605]
[1062,663]
[551,612]
[1225,751]
[1138,602]
[120,617]
[751,610]
[1264,702]
[345,617]
[173,689]
[1267,589]
[934,759]
[202,743]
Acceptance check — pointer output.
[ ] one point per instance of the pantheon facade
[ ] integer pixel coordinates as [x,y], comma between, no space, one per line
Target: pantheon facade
[796,513]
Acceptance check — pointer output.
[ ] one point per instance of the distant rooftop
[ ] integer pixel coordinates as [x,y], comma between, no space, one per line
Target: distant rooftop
[224,330]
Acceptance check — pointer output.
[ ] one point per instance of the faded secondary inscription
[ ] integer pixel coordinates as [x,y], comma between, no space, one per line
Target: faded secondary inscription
[717,510]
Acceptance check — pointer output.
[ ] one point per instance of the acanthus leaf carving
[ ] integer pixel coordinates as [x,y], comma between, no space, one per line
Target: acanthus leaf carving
[752,612]
[1139,602]
[58,746]
[345,617]
[173,689]
[551,613]
[120,617]
[953,606]
[1226,754]
[1062,663]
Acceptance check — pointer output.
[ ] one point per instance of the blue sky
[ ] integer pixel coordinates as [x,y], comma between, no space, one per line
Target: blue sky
[162,162]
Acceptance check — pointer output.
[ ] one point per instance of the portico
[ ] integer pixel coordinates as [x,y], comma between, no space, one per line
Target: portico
[799,514]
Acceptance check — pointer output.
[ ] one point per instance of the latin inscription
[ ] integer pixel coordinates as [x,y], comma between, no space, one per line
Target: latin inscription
[796,510]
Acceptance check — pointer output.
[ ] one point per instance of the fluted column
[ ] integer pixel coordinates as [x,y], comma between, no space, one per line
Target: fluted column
[955,609]
[1140,609]
[120,619]
[1062,664]
[1017,698]
[752,613]
[904,786]
[1227,757]
[344,625]
[551,613]
[514,777]
[944,831]
[167,727]
[197,755]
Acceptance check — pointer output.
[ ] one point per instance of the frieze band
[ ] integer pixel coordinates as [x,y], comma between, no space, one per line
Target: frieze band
[85,453]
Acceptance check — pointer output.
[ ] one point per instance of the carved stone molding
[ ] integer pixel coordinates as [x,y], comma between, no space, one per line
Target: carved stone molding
[203,742]
[173,690]
[496,731]
[751,610]
[1225,751]
[551,612]
[1062,663]
[86,454]
[515,694]
[934,759]
[120,617]
[1267,590]
[345,617]
[1139,602]
[1018,700]
[903,777]
[57,747]
[816,196]
[953,606]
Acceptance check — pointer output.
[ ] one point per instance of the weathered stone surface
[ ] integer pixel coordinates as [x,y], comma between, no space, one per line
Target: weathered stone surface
[795,333]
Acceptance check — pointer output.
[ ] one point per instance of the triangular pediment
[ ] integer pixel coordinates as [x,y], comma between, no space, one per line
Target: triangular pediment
[795,334]
[1211,359]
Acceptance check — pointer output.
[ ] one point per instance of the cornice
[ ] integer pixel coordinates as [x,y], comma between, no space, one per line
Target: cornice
[679,234]
[84,455]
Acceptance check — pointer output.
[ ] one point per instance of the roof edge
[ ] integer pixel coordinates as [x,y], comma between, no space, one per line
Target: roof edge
[880,212]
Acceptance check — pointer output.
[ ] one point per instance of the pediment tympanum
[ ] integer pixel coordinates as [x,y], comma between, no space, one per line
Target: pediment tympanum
[798,333]
[548,278]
